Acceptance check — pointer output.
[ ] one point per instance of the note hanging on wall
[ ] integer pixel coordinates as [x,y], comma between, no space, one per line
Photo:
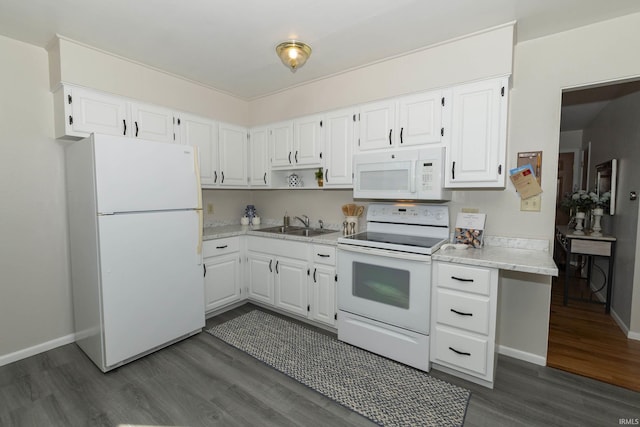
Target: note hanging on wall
[524,179]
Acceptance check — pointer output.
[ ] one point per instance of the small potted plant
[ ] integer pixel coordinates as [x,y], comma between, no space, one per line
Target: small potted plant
[319,177]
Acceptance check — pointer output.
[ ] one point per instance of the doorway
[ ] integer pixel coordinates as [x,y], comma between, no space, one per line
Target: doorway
[582,338]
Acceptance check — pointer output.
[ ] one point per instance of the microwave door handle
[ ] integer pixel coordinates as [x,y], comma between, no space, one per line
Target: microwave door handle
[412,176]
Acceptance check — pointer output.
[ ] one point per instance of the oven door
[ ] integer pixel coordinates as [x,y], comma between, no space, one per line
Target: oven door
[388,286]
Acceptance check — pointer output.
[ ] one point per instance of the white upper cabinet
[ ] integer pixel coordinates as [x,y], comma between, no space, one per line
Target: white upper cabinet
[151,122]
[281,144]
[233,155]
[420,119]
[79,112]
[339,139]
[259,175]
[405,121]
[377,122]
[307,141]
[477,147]
[296,143]
[202,133]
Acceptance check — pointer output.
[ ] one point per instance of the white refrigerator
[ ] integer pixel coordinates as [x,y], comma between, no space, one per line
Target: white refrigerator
[135,228]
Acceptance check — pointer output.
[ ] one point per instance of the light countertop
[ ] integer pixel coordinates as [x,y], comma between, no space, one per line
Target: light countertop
[522,255]
[504,258]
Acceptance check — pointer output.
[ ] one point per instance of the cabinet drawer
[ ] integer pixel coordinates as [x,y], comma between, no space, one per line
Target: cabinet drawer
[464,278]
[460,350]
[324,254]
[218,247]
[468,312]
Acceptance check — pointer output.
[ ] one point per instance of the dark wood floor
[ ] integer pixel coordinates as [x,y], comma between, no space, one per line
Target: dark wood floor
[202,381]
[586,341]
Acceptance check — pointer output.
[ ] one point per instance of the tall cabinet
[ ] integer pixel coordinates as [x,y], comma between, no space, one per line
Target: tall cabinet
[477,142]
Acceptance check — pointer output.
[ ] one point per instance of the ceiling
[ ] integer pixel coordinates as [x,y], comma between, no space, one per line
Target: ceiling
[229,44]
[580,107]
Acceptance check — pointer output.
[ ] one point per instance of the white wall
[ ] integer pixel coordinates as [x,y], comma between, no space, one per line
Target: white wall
[35,299]
[615,134]
[73,62]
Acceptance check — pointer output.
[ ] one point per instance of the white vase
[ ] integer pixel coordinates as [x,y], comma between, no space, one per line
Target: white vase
[579,219]
[597,216]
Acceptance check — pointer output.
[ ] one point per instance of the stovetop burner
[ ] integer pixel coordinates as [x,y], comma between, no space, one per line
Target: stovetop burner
[412,228]
[396,239]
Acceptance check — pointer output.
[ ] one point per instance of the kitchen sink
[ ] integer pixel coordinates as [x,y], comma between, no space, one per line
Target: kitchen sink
[296,231]
[309,232]
[281,229]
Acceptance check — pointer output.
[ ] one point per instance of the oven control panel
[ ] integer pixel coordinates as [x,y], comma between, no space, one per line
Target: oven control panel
[409,213]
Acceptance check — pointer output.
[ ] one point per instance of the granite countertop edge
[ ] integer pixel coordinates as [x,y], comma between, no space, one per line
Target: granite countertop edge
[504,258]
[523,255]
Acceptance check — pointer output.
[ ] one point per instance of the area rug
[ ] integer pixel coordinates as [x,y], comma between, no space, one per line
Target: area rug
[386,392]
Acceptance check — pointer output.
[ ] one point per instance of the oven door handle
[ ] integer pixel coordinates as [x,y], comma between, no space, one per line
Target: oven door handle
[385,253]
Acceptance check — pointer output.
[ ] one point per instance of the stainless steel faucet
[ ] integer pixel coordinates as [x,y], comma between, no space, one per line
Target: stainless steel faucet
[304,220]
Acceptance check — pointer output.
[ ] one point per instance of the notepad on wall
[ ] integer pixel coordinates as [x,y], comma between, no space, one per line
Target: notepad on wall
[470,229]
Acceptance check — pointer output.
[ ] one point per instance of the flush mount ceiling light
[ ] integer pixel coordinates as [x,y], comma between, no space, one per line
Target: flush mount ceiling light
[293,54]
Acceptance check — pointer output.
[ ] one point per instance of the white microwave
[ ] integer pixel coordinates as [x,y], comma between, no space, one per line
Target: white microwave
[400,175]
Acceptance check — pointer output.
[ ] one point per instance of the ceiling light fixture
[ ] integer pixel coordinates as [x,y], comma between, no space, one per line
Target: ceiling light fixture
[293,54]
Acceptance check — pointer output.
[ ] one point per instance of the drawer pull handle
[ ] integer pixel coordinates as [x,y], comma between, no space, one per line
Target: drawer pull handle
[460,312]
[221,247]
[461,353]
[324,255]
[461,280]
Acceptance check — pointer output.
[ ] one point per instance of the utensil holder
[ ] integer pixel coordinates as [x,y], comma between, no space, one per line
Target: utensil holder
[352,225]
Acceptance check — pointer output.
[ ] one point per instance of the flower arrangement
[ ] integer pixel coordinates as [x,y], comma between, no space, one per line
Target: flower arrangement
[584,201]
[602,201]
[578,201]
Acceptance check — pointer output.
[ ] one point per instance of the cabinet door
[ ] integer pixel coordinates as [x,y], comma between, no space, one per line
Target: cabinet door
[222,281]
[281,144]
[233,155]
[151,122]
[478,135]
[338,147]
[260,272]
[202,133]
[377,120]
[307,140]
[323,294]
[291,285]
[420,119]
[90,111]
[259,158]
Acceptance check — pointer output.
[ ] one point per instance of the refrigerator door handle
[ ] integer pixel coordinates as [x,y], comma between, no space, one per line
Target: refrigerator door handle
[196,168]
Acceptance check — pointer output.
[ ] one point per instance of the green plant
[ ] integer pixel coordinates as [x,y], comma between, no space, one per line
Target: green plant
[319,173]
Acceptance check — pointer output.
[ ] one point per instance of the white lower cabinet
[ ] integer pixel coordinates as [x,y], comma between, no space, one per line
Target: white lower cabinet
[259,275]
[291,285]
[463,319]
[222,272]
[293,276]
[277,273]
[322,285]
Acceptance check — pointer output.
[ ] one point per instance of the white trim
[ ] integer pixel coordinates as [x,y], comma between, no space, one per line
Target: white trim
[36,349]
[625,330]
[523,355]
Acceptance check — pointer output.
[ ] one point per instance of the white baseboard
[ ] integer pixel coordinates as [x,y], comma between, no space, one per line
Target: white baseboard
[633,336]
[522,355]
[36,349]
